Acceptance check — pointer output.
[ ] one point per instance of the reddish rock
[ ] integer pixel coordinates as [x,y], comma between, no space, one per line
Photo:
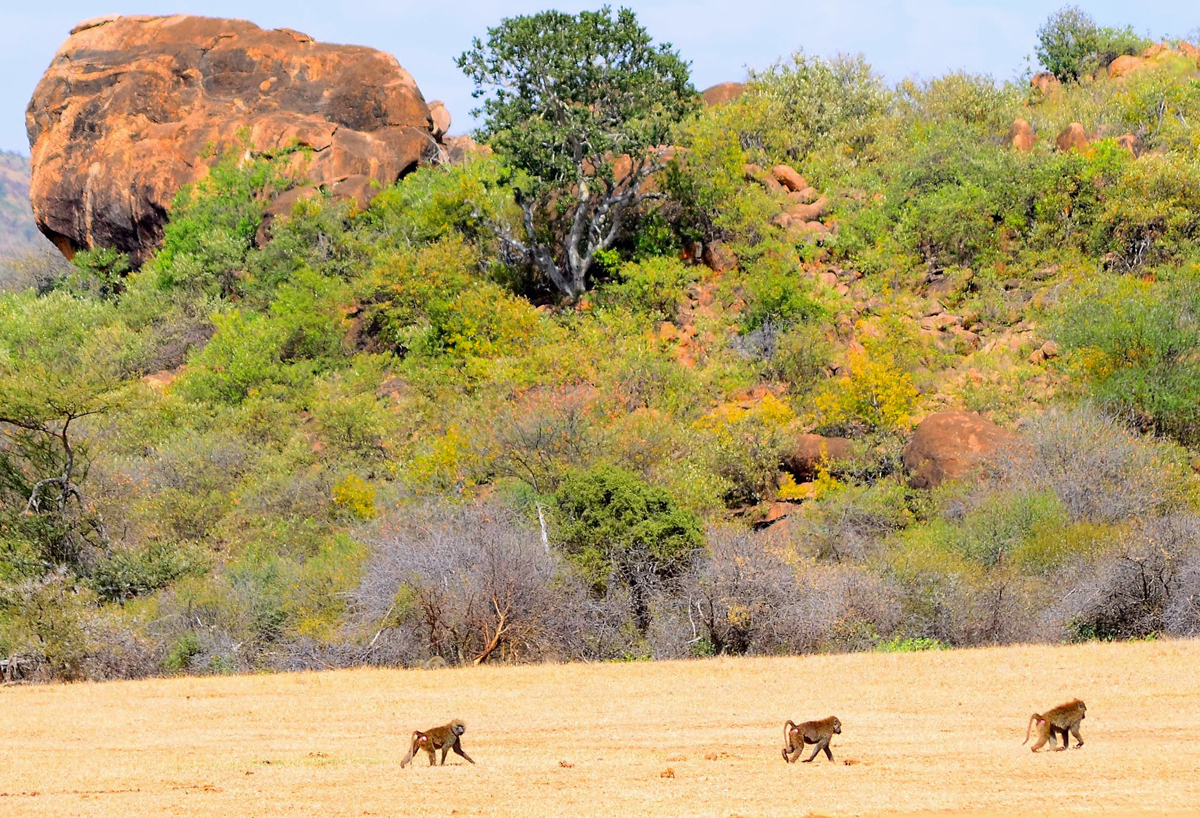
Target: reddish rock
[779,510]
[1072,137]
[805,212]
[808,451]
[458,148]
[1021,135]
[440,118]
[722,93]
[718,257]
[1125,64]
[787,176]
[1155,51]
[133,108]
[805,195]
[803,232]
[950,445]
[1132,143]
[1045,82]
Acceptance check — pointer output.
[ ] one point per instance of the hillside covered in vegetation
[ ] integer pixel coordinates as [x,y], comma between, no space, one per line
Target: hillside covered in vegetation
[429,428]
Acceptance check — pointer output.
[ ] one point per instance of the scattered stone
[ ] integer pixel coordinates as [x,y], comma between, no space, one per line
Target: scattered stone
[1045,82]
[718,257]
[1132,143]
[787,176]
[1125,64]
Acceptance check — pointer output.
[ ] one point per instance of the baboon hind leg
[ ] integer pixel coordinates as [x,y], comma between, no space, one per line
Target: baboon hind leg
[821,745]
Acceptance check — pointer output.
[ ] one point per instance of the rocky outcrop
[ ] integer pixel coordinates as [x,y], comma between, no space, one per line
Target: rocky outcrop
[950,445]
[722,93]
[133,108]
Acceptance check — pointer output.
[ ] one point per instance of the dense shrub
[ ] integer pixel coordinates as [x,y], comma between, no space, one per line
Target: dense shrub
[619,530]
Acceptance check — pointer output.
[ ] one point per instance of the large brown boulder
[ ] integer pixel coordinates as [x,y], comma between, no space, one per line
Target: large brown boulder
[1021,135]
[133,108]
[1046,83]
[722,93]
[1072,137]
[808,452]
[950,445]
[1125,64]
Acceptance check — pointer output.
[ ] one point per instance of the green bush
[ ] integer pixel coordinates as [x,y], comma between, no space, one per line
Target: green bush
[809,98]
[1135,341]
[615,526]
[911,644]
[652,289]
[132,571]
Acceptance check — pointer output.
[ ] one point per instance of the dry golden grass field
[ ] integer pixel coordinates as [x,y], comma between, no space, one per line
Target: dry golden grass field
[924,733]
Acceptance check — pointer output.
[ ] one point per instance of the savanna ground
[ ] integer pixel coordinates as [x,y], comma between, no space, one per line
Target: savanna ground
[923,732]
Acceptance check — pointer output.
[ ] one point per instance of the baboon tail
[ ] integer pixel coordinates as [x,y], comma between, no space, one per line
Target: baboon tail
[412,750]
[787,727]
[1029,727]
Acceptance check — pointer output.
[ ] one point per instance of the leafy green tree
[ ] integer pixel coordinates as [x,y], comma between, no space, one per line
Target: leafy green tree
[614,525]
[578,104]
[1066,41]
[1070,44]
[59,365]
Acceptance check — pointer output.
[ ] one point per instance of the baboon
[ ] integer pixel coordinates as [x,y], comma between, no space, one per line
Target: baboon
[795,736]
[445,738]
[1057,721]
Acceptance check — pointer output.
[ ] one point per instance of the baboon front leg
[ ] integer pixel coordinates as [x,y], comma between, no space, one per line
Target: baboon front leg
[828,753]
[458,749]
[1078,737]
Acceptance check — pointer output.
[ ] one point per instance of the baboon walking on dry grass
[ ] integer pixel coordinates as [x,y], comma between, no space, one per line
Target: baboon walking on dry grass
[445,738]
[1057,721]
[818,733]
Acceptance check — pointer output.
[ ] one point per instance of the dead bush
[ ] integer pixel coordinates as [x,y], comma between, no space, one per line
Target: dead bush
[747,597]
[1148,585]
[1100,470]
[469,584]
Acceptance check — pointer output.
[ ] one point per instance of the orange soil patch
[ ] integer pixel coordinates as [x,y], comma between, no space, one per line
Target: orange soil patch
[924,733]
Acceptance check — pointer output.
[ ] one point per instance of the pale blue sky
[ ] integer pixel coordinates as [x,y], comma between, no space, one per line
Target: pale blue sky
[720,37]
